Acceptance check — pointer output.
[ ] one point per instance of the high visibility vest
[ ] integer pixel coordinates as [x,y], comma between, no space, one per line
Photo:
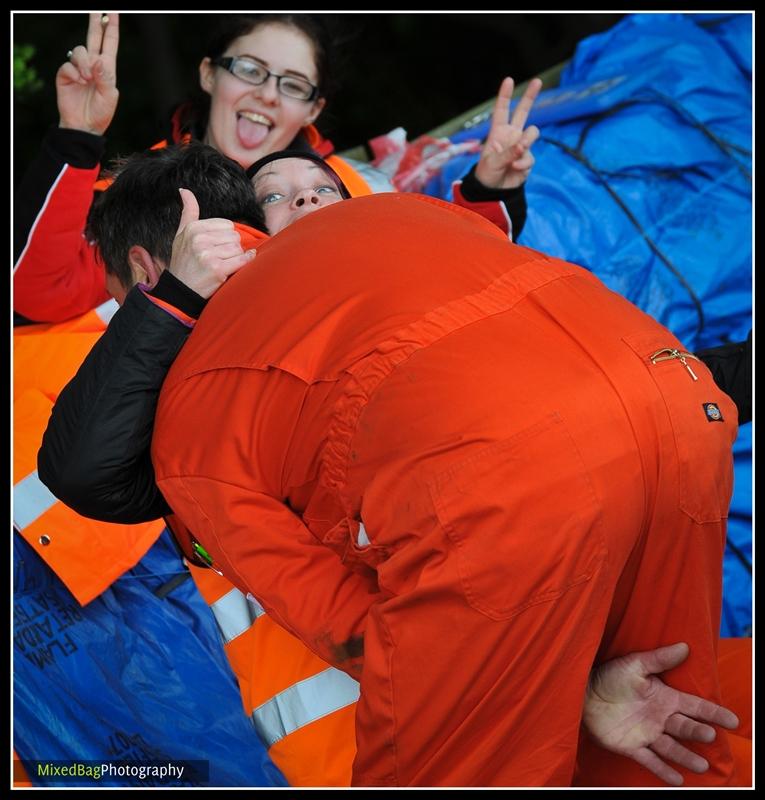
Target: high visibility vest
[303,709]
[87,555]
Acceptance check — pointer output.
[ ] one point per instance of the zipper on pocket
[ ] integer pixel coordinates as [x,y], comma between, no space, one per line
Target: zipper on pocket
[673,353]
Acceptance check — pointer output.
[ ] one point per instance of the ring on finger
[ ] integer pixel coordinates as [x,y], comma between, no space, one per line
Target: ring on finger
[69,55]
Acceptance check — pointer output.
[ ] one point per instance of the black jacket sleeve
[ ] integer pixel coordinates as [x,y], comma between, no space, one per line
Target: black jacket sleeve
[96,451]
[514,200]
[731,367]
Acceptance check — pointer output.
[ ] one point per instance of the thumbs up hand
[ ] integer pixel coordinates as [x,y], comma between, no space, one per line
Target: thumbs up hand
[206,252]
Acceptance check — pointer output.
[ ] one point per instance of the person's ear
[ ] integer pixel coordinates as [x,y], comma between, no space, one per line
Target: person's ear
[206,75]
[143,267]
[316,108]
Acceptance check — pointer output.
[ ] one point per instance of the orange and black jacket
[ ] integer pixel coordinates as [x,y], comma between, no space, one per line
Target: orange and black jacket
[56,275]
[99,464]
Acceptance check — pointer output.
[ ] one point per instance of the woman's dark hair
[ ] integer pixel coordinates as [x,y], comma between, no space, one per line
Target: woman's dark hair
[255,168]
[195,113]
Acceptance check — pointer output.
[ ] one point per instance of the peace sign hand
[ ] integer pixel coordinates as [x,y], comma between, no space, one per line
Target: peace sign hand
[506,158]
[86,85]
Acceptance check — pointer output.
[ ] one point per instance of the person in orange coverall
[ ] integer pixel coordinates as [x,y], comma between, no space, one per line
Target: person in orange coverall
[460,470]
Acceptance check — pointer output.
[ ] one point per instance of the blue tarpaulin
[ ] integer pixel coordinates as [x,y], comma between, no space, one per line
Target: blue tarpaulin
[643,175]
[136,677]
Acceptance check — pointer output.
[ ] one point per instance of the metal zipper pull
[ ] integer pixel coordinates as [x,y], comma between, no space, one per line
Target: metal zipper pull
[687,365]
[657,356]
[672,353]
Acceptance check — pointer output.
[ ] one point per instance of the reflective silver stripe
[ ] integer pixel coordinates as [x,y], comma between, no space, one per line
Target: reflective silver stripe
[304,702]
[363,539]
[31,499]
[107,310]
[235,613]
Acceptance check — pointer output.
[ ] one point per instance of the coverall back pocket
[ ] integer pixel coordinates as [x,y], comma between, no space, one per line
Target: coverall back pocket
[703,421]
[524,520]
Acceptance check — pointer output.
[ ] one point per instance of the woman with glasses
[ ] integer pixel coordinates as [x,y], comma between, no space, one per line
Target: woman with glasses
[264,81]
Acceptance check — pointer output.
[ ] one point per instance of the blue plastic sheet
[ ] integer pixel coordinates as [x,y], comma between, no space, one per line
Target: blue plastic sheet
[643,175]
[131,677]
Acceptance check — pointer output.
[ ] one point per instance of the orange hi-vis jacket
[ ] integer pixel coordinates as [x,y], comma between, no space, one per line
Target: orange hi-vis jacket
[87,555]
[302,708]
[459,470]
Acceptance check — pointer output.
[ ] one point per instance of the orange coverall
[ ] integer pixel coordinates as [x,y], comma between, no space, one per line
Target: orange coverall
[450,465]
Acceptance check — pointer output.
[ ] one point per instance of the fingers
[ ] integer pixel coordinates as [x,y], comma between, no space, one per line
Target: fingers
[111,40]
[652,662]
[521,113]
[68,73]
[507,138]
[501,112]
[82,61]
[699,709]
[510,143]
[524,159]
[222,250]
[87,67]
[206,252]
[235,263]
[667,747]
[190,211]
[104,74]
[95,34]
[210,240]
[652,762]
[524,163]
[530,135]
[682,727]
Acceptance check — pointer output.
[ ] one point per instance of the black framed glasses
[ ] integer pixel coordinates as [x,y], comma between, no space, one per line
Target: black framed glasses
[251,72]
